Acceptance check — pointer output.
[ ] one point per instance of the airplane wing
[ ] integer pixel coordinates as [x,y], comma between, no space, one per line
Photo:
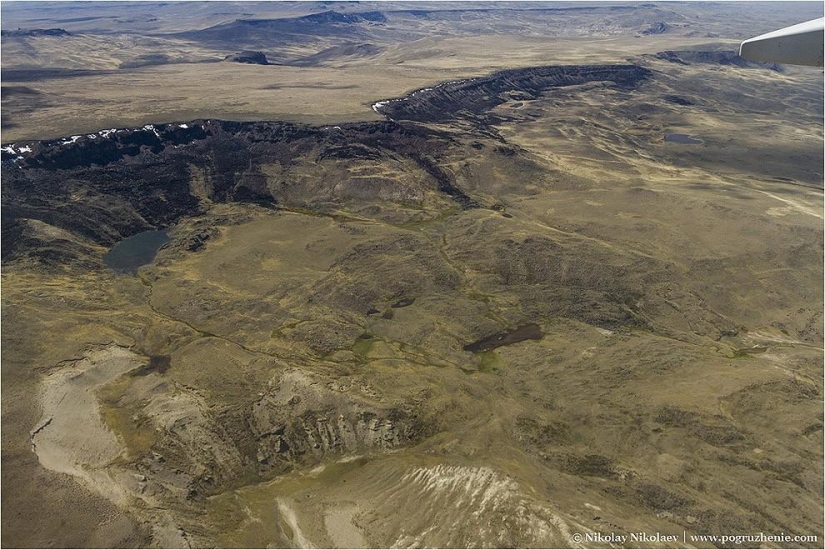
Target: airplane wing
[800,44]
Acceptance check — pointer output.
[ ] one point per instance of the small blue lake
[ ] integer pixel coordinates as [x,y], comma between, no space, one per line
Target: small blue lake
[135,251]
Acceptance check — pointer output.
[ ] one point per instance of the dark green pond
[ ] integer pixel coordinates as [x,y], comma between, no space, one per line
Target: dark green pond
[135,251]
[520,334]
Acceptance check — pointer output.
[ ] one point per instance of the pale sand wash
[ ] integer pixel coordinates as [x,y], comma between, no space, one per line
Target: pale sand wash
[71,437]
[341,528]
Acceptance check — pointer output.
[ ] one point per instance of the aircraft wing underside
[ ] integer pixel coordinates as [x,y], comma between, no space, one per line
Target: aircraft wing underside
[800,44]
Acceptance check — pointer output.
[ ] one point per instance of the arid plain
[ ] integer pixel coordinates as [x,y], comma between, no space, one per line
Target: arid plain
[498,312]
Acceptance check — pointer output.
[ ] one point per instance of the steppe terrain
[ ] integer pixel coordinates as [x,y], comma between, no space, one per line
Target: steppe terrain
[126,65]
[436,276]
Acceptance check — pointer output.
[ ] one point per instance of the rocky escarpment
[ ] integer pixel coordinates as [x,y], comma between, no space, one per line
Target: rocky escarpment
[332,16]
[130,180]
[35,32]
[104,186]
[477,95]
[248,56]
[302,420]
[253,32]
[714,57]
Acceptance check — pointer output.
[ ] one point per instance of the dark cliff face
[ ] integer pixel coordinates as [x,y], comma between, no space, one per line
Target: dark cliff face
[109,185]
[477,95]
[103,147]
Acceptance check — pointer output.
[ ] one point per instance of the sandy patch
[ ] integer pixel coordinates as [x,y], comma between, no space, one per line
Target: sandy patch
[71,437]
[341,529]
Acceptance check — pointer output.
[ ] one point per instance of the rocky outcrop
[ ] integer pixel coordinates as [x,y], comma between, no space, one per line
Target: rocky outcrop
[332,16]
[304,420]
[477,95]
[248,56]
[35,32]
[679,100]
[659,27]
[714,57]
